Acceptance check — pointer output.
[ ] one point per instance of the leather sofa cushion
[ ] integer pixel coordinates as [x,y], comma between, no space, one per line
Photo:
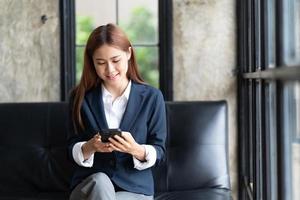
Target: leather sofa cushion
[34,163]
[36,196]
[200,194]
[197,155]
[33,148]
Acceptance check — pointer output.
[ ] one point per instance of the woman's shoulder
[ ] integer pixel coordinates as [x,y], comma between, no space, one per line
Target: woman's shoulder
[148,90]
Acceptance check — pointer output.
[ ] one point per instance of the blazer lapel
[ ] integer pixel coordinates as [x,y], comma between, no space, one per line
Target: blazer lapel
[134,106]
[94,99]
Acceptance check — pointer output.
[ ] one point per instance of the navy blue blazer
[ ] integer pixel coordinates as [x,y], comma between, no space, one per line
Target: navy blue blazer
[144,118]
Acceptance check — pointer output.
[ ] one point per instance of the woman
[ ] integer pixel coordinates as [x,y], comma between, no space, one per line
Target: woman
[111,94]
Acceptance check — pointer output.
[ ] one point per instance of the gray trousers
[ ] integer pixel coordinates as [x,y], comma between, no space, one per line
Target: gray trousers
[98,186]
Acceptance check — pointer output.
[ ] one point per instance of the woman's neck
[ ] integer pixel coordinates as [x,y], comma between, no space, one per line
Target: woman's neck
[117,90]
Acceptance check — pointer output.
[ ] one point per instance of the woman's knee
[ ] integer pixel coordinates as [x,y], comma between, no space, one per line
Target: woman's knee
[100,178]
[96,186]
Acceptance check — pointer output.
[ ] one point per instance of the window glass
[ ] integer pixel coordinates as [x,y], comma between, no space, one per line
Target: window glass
[271,140]
[271,34]
[84,26]
[291,131]
[79,62]
[147,59]
[291,37]
[291,97]
[297,30]
[99,11]
[139,19]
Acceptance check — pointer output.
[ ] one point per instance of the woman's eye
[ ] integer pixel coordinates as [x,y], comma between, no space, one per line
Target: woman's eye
[102,63]
[115,61]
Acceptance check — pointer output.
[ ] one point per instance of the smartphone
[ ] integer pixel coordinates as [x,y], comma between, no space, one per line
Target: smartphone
[107,133]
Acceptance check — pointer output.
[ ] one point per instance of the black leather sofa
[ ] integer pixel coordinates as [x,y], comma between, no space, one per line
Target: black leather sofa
[34,162]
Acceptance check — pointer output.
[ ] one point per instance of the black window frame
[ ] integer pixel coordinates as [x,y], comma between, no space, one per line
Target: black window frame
[263,156]
[68,48]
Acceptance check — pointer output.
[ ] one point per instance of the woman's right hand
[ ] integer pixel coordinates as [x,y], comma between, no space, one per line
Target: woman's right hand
[95,145]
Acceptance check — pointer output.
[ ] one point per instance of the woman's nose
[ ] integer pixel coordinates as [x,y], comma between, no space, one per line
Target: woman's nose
[110,67]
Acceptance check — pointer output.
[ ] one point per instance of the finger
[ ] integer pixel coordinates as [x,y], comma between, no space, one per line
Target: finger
[121,140]
[126,133]
[123,136]
[113,147]
[115,142]
[109,149]
[127,137]
[104,147]
[97,137]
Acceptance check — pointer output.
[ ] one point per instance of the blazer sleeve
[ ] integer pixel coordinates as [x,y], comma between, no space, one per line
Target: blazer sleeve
[157,126]
[74,134]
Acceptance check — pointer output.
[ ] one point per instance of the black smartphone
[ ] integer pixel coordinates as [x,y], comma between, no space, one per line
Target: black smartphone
[107,133]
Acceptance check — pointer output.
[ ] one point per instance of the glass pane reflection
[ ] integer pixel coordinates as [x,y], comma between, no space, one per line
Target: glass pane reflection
[292,131]
[139,19]
[147,59]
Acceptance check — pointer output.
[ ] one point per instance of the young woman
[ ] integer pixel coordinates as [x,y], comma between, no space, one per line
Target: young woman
[111,94]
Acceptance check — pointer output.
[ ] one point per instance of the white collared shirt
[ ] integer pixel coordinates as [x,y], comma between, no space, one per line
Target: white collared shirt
[114,111]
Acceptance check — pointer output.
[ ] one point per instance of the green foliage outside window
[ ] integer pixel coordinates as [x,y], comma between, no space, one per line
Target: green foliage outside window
[84,26]
[140,29]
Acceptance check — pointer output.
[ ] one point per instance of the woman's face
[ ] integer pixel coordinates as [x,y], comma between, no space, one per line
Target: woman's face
[111,65]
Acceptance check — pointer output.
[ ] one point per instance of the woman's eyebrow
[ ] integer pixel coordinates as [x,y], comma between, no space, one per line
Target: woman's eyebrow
[115,56]
[99,59]
[110,58]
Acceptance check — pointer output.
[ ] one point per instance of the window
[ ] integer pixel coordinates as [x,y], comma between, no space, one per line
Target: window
[148,25]
[269,88]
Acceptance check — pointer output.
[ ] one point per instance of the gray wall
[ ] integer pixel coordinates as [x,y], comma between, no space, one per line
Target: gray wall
[29,51]
[205,59]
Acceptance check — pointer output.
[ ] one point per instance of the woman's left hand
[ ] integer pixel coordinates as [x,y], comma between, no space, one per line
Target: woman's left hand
[127,144]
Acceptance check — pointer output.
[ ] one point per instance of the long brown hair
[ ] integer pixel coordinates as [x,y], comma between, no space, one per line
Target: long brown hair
[109,34]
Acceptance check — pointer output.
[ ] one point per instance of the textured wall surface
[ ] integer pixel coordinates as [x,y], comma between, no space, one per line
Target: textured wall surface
[205,59]
[29,51]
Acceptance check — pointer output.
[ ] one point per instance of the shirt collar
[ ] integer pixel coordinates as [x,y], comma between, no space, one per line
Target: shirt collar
[126,93]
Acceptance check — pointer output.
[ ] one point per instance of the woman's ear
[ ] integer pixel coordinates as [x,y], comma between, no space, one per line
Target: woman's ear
[128,53]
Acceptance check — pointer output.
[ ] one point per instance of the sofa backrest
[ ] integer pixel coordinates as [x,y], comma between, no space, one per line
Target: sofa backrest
[33,148]
[197,155]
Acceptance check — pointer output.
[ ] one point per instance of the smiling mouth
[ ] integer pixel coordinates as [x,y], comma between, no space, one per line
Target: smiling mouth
[112,77]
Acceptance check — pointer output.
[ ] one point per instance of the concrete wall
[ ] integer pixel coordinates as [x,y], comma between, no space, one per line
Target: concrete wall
[29,51]
[205,59]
